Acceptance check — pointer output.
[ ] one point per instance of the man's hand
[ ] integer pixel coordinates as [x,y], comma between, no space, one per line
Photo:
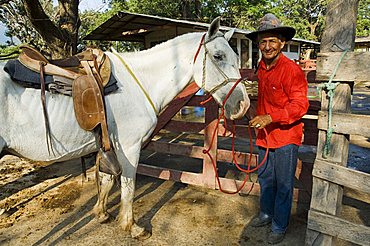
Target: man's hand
[260,121]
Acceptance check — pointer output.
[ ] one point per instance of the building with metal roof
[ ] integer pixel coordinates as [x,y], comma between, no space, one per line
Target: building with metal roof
[151,30]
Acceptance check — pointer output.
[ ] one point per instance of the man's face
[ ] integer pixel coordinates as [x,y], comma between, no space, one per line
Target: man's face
[270,45]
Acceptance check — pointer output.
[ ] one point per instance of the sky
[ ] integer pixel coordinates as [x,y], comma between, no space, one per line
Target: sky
[84,5]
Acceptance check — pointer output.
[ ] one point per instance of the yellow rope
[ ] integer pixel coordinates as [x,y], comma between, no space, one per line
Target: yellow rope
[137,82]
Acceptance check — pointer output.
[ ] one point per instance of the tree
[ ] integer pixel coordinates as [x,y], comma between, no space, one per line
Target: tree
[306,16]
[56,30]
[363,19]
[32,23]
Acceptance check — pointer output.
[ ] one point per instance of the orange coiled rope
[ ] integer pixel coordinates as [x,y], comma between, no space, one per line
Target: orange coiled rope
[234,161]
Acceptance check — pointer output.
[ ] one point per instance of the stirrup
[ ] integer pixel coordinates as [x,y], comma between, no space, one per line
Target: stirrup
[108,162]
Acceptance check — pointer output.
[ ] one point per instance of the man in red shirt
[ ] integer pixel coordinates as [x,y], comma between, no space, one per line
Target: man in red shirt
[282,101]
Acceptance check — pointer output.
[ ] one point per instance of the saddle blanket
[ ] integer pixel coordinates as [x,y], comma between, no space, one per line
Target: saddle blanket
[54,84]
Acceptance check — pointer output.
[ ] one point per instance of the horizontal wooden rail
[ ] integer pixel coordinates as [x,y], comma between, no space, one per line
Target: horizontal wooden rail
[336,227]
[191,178]
[345,123]
[176,126]
[341,175]
[170,174]
[197,152]
[184,126]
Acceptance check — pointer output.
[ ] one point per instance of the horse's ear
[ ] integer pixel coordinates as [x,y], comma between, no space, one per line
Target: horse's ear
[229,34]
[213,28]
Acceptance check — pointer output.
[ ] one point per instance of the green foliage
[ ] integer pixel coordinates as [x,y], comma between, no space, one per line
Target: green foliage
[306,16]
[92,19]
[5,49]
[245,13]
[13,15]
[165,8]
[89,21]
[8,52]
[363,19]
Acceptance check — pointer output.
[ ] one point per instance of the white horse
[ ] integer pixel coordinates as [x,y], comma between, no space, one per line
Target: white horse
[157,75]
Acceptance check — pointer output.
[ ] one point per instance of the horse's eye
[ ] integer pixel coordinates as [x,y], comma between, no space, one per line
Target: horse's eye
[218,57]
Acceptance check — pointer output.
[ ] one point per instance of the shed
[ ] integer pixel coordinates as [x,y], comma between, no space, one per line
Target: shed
[151,30]
[362,43]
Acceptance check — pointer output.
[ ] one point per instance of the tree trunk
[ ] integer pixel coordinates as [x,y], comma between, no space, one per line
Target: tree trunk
[186,10]
[198,7]
[61,39]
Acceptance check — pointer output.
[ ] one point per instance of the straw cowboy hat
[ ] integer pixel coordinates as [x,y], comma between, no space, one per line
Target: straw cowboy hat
[271,24]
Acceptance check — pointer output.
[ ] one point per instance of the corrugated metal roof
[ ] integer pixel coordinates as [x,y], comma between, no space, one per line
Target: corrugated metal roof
[362,39]
[126,26]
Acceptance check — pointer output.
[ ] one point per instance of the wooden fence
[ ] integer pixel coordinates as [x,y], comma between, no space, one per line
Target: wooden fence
[330,172]
[206,177]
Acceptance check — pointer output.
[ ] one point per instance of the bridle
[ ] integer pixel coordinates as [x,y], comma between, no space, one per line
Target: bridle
[222,116]
[227,79]
[206,53]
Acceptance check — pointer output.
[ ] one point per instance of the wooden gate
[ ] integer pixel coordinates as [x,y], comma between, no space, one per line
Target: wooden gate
[221,155]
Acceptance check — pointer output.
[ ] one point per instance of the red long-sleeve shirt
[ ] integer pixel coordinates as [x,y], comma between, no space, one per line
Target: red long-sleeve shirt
[282,93]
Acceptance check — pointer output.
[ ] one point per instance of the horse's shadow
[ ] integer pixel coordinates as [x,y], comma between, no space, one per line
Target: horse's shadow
[87,216]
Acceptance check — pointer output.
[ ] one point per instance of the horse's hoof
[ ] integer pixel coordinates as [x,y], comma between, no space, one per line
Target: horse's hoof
[104,218]
[140,233]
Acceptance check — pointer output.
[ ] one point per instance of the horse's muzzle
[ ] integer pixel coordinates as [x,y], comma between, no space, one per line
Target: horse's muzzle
[243,108]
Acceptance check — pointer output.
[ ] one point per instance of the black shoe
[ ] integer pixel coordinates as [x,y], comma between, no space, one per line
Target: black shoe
[258,222]
[275,237]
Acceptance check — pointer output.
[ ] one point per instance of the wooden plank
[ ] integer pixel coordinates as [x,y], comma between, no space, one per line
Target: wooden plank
[197,179]
[345,123]
[240,131]
[351,68]
[183,126]
[231,185]
[176,149]
[170,174]
[197,152]
[196,100]
[326,196]
[342,175]
[336,227]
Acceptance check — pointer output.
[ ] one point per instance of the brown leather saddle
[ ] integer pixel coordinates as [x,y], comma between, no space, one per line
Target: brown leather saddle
[90,71]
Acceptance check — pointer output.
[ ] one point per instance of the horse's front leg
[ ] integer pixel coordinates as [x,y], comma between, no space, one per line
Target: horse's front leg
[105,183]
[125,216]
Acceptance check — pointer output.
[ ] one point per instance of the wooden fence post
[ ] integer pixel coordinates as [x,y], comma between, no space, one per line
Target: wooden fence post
[211,119]
[339,35]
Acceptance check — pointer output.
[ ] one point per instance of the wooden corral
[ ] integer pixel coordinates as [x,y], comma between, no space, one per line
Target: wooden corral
[308,64]
[330,172]
[207,177]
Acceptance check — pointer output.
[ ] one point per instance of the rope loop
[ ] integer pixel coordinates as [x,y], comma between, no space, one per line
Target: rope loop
[234,160]
[330,88]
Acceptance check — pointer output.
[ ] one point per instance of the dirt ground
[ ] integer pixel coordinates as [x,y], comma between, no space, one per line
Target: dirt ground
[47,206]
[44,204]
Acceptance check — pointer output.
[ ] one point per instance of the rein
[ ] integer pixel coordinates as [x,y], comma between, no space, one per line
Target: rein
[222,116]
[234,161]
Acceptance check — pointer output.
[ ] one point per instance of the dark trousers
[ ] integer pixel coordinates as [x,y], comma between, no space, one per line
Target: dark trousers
[276,179]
